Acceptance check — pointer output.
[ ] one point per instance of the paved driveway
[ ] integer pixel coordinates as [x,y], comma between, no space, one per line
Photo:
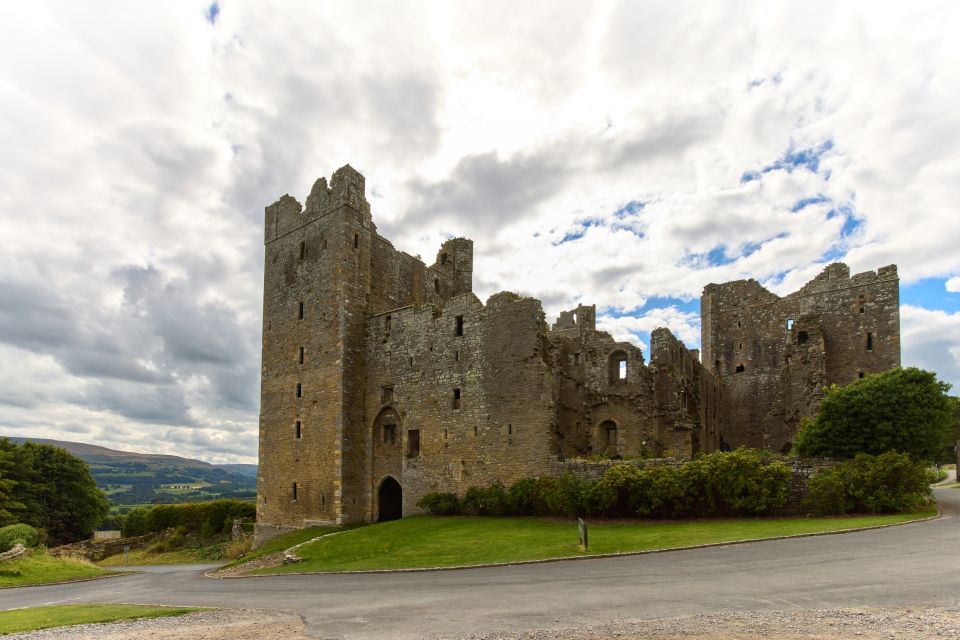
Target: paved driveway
[910,565]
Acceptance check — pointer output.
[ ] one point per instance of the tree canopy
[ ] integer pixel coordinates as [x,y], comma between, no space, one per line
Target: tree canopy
[904,410]
[49,488]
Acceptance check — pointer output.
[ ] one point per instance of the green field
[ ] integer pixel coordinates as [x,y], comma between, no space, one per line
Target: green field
[21,620]
[430,541]
[40,568]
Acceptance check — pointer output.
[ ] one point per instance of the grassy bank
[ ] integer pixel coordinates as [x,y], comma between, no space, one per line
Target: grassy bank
[22,620]
[430,541]
[39,568]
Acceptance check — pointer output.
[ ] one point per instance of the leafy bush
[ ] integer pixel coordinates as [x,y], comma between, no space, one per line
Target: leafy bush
[658,493]
[905,410]
[888,483]
[205,519]
[520,497]
[725,483]
[740,482]
[486,501]
[440,503]
[14,534]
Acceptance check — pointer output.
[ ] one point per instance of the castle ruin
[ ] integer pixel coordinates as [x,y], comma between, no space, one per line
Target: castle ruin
[384,378]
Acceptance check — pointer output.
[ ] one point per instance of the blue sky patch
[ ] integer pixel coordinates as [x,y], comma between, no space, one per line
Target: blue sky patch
[632,208]
[806,202]
[212,12]
[930,293]
[808,159]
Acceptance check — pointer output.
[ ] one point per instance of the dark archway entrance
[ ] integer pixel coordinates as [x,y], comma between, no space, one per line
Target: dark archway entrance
[390,500]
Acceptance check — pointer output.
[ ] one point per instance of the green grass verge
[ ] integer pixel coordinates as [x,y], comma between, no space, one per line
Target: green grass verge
[21,620]
[430,541]
[139,557]
[40,568]
[287,540]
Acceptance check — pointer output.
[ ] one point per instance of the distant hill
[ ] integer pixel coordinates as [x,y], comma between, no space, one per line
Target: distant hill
[131,478]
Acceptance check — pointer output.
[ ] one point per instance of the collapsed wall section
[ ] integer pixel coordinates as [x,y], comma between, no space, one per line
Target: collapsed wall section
[775,356]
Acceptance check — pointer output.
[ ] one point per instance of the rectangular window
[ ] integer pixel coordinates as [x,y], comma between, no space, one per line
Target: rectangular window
[869,341]
[456,398]
[436,285]
[413,443]
[456,356]
[860,374]
[293,492]
[303,250]
[458,331]
[386,394]
[789,325]
[299,390]
[622,369]
[300,311]
[576,359]
[356,241]
[389,433]
[300,355]
[297,430]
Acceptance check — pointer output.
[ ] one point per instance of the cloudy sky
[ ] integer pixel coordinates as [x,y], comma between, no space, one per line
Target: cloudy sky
[617,153]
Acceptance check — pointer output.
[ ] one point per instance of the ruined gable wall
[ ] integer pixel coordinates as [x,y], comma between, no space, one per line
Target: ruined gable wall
[686,396]
[790,348]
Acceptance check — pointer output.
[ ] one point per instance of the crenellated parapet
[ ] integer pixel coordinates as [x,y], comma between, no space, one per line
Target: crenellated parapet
[346,189]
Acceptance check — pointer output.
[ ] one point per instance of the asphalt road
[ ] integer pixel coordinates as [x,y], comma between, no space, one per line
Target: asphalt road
[910,565]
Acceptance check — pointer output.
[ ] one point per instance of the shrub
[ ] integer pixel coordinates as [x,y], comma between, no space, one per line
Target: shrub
[440,503]
[740,482]
[658,493]
[888,483]
[14,534]
[612,494]
[486,501]
[520,497]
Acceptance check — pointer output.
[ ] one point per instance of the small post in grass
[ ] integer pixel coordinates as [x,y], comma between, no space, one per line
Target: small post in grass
[582,528]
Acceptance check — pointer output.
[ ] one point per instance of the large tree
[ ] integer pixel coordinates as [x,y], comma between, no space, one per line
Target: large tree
[905,410]
[49,488]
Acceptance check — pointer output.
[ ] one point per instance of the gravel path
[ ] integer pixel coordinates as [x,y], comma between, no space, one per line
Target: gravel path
[236,624]
[837,624]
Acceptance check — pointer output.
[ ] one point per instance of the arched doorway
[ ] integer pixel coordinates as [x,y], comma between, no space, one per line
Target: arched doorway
[390,500]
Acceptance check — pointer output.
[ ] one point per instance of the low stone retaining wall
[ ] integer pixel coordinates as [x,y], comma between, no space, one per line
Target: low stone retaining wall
[95,550]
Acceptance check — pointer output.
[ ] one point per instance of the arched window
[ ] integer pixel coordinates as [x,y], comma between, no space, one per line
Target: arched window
[608,437]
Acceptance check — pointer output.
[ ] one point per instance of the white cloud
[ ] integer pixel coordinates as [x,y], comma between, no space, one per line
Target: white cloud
[140,143]
[930,339]
[953,285]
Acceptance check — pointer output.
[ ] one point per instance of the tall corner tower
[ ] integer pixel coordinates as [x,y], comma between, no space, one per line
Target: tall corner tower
[316,279]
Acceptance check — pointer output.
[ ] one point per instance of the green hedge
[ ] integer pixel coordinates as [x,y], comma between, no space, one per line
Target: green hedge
[741,482]
[887,483]
[207,519]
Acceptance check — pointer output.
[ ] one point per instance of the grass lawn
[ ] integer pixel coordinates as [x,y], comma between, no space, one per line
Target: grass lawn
[287,540]
[431,541]
[21,620]
[138,557]
[40,568]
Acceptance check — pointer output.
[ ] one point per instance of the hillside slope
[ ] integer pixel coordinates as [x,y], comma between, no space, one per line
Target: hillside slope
[131,478]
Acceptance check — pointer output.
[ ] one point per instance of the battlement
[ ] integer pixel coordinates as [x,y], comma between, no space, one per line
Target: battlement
[347,188]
